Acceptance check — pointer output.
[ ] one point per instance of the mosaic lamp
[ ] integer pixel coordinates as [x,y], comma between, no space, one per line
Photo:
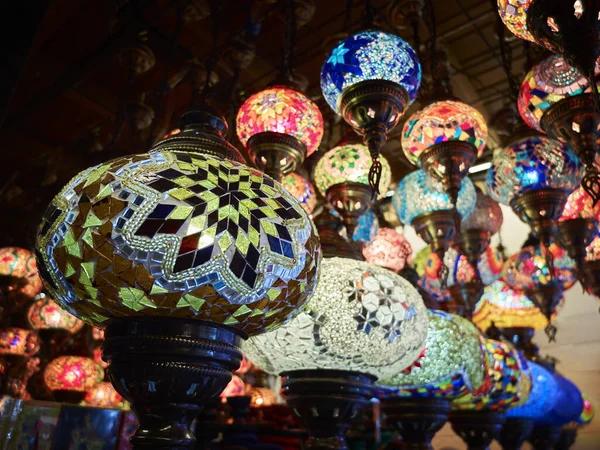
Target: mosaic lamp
[514,15]
[370,78]
[103,395]
[544,284]
[45,314]
[476,231]
[534,176]
[520,419]
[302,190]
[188,248]
[416,401]
[19,278]
[280,127]
[17,361]
[464,284]
[420,201]
[577,227]
[478,419]
[70,377]
[444,139]
[556,98]
[388,249]
[364,322]
[342,176]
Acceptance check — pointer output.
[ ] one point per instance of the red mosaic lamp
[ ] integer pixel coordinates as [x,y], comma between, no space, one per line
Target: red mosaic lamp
[70,377]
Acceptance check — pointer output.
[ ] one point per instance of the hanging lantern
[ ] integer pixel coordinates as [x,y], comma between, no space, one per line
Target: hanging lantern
[103,395]
[388,249]
[535,175]
[45,314]
[342,176]
[514,15]
[421,202]
[370,78]
[444,139]
[178,244]
[555,98]
[280,126]
[302,190]
[18,341]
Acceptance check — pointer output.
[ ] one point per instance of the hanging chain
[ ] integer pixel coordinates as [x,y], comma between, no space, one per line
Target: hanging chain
[369,14]
[289,40]
[506,57]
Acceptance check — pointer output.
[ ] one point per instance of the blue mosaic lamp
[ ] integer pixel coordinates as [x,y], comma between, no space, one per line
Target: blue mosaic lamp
[370,78]
[542,397]
[567,407]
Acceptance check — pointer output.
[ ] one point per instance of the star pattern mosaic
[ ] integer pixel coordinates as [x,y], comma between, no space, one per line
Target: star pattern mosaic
[178,234]
[361,317]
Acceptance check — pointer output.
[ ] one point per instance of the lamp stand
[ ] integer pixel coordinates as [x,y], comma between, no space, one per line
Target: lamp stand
[477,428]
[515,432]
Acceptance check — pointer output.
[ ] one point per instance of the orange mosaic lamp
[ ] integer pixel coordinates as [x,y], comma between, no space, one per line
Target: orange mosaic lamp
[103,395]
[45,314]
[70,377]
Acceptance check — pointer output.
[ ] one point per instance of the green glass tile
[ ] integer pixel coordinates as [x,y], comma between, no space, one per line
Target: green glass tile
[257,312]
[254,237]
[184,181]
[74,250]
[92,221]
[87,237]
[212,205]
[69,238]
[193,301]
[224,242]
[241,311]
[269,212]
[156,289]
[273,293]
[90,268]
[231,321]
[105,192]
[181,212]
[186,166]
[69,270]
[95,175]
[242,243]
[268,228]
[196,225]
[181,193]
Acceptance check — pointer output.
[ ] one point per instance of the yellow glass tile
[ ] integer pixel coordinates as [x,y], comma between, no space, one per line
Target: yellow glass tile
[96,174]
[69,237]
[212,205]
[69,270]
[241,311]
[242,243]
[201,163]
[89,267]
[254,237]
[224,242]
[267,190]
[256,178]
[184,181]
[256,312]
[268,228]
[227,164]
[181,212]
[244,186]
[156,289]
[74,250]
[181,193]
[195,302]
[269,212]
[273,293]
[272,203]
[87,237]
[208,195]
[212,178]
[182,303]
[212,231]
[231,321]
[196,225]
[186,166]
[244,211]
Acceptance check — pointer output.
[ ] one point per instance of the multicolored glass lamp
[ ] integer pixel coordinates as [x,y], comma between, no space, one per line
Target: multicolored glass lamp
[342,176]
[478,419]
[280,127]
[416,401]
[103,395]
[364,322]
[17,361]
[18,278]
[302,190]
[534,176]
[70,377]
[45,314]
[180,245]
[444,139]
[370,78]
[514,15]
[388,249]
[591,267]
[556,98]
[420,201]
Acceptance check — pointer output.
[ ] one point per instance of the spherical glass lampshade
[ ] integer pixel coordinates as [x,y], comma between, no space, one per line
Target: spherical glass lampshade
[388,249]
[261,397]
[72,373]
[450,366]
[490,268]
[235,388]
[281,109]
[528,270]
[486,215]
[510,383]
[507,308]
[103,395]
[580,205]
[181,235]
[587,415]
[18,341]
[369,55]
[443,121]
[546,84]
[45,314]
[568,405]
[348,163]
[417,193]
[531,164]
[542,396]
[21,264]
[302,190]
[514,15]
[362,317]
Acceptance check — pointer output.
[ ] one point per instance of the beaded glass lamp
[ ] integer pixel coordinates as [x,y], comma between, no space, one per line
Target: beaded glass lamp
[302,190]
[541,397]
[568,406]
[370,78]
[388,249]
[444,139]
[281,127]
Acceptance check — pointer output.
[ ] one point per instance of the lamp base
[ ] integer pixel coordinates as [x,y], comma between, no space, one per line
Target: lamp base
[449,163]
[350,200]
[464,298]
[276,154]
[546,299]
[436,228]
[540,210]
[591,275]
[477,428]
[574,236]
[515,432]
[544,437]
[327,401]
[415,419]
[168,368]
[567,439]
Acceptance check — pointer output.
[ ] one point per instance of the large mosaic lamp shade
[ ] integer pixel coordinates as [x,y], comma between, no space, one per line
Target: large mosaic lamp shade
[444,139]
[342,176]
[173,252]
[280,126]
[534,176]
[364,322]
[416,401]
[478,419]
[370,78]
[555,97]
[70,377]
[420,201]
